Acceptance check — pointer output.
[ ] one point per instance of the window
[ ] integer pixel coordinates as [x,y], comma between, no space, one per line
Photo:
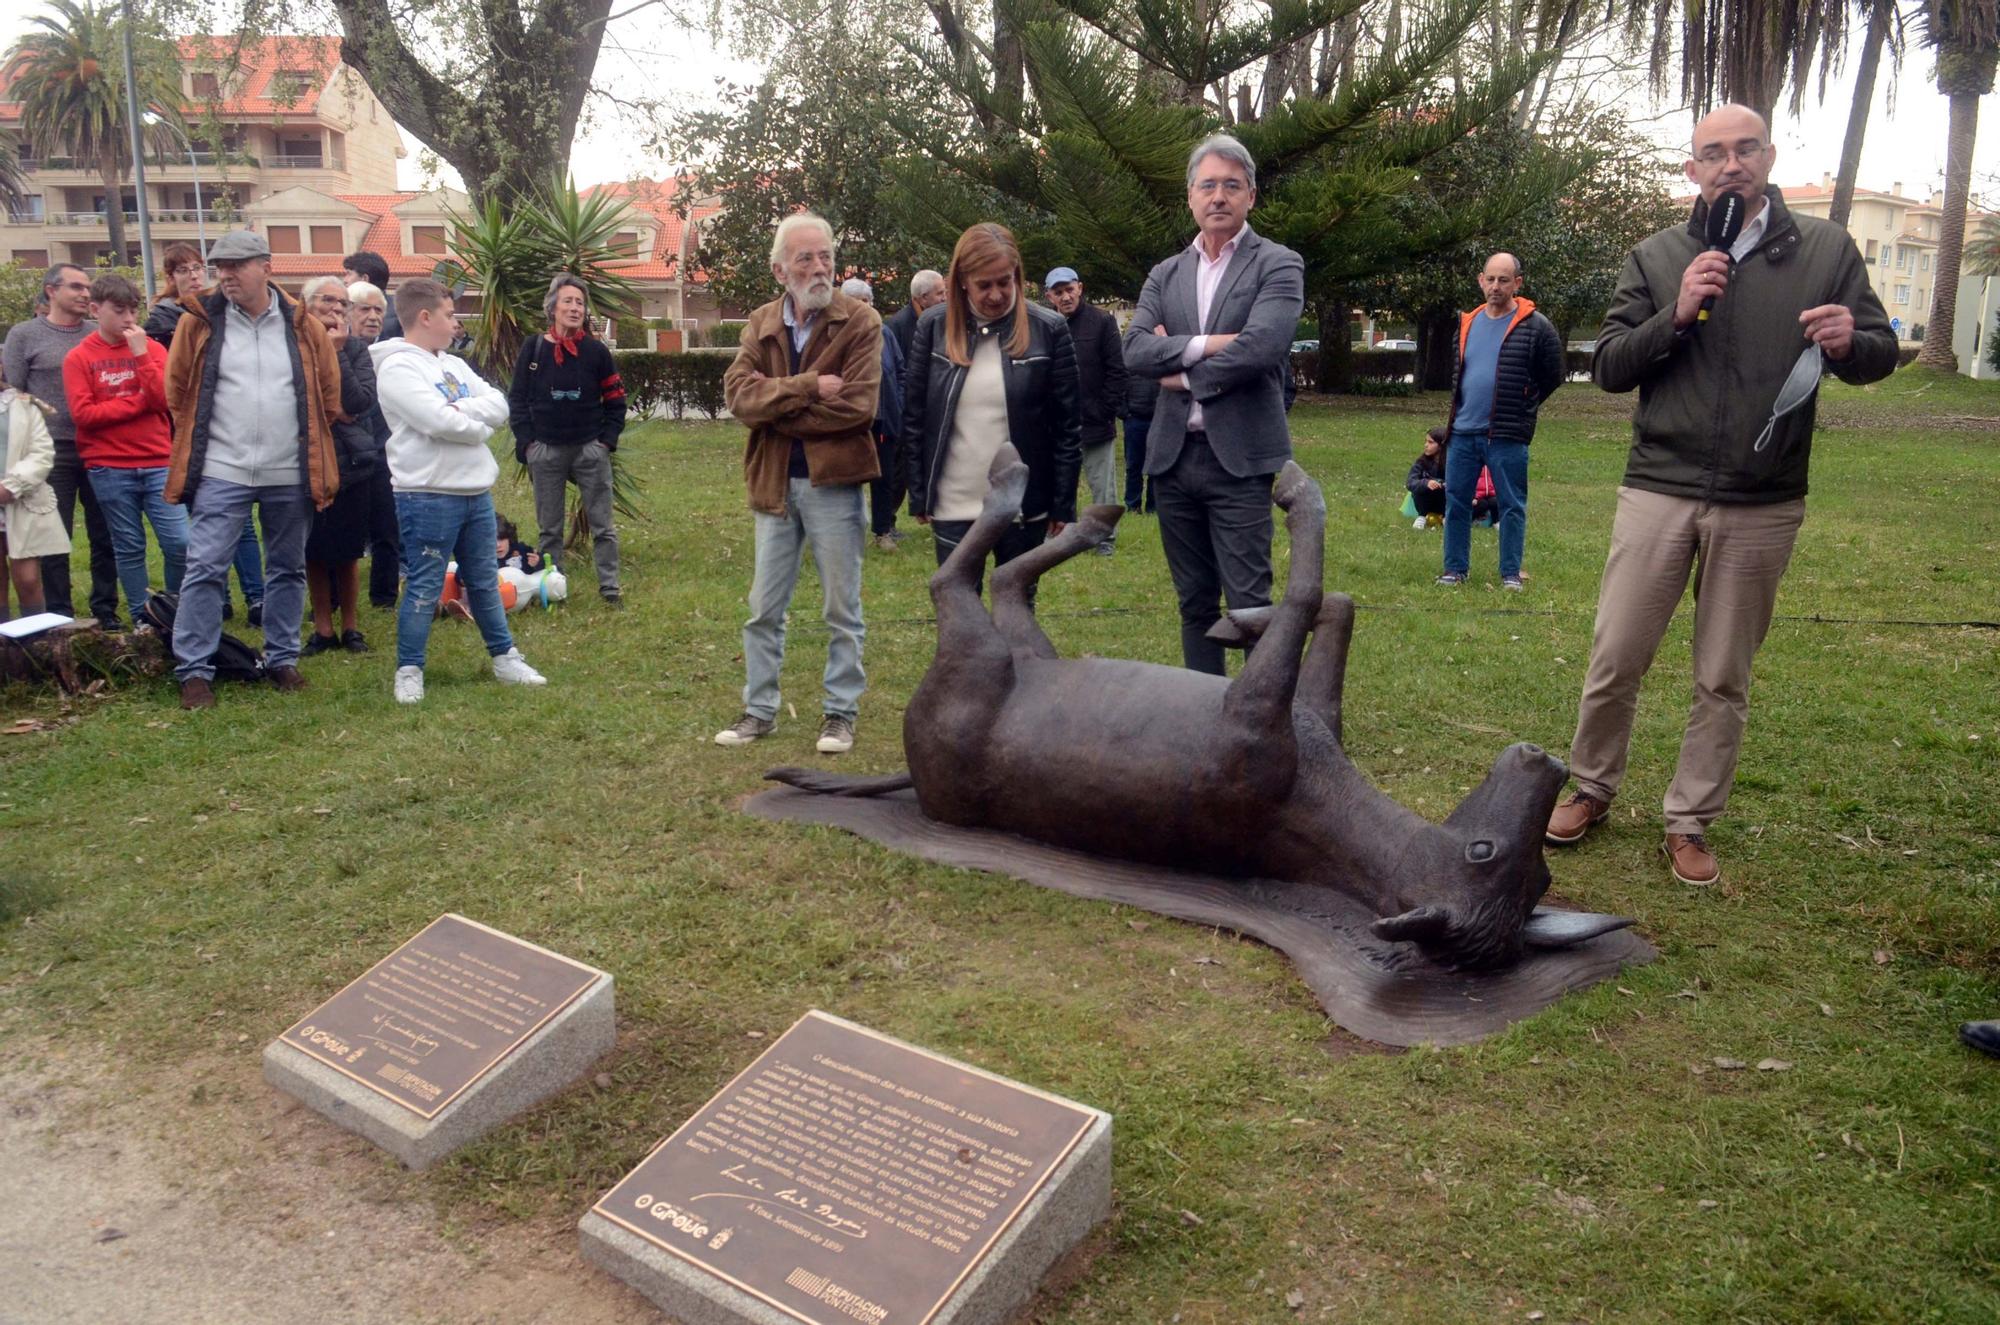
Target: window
[625,243]
[1902,294]
[207,87]
[327,239]
[427,239]
[29,209]
[282,238]
[1868,254]
[32,257]
[1927,262]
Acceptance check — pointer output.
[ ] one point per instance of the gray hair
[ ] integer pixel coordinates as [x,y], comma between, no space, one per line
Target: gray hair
[924,282]
[53,276]
[316,284]
[564,281]
[856,288]
[366,290]
[1222,145]
[797,221]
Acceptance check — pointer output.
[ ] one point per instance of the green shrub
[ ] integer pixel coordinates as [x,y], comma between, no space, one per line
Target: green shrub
[677,383]
[631,332]
[723,334]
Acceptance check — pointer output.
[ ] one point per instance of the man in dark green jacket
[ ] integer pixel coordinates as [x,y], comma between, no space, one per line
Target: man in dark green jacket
[1716,480]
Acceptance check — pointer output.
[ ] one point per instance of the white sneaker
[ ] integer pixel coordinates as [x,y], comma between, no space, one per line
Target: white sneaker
[1420,523]
[409,685]
[510,668]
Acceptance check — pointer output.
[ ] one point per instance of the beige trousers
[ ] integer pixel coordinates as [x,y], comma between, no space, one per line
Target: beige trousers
[1737,553]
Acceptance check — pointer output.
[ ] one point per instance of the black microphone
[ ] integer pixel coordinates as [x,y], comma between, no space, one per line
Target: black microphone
[1725,223]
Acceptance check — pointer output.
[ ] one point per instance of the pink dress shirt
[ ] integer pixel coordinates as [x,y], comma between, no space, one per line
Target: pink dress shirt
[1207,280]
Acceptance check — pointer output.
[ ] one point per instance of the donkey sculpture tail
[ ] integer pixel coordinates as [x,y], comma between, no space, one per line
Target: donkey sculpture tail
[839,784]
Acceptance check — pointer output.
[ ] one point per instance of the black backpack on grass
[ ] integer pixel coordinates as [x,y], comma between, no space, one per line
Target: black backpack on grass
[233,661]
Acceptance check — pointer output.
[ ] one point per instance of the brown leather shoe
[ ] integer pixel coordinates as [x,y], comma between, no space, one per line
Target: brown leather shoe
[287,679]
[1575,817]
[197,694]
[1692,862]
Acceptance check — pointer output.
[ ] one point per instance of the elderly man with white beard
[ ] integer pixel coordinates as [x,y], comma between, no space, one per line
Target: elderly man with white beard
[805,381]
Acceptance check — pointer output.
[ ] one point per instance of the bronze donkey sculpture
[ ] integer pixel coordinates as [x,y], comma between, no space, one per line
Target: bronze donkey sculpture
[1244,778]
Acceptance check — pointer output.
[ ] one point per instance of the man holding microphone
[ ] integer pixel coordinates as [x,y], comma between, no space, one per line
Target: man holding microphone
[1716,480]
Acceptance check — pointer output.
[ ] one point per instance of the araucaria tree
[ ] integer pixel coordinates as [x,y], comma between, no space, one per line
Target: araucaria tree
[1085,153]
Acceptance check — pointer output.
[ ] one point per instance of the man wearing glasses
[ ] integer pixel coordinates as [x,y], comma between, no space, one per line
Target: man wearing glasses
[1214,327]
[33,361]
[1716,479]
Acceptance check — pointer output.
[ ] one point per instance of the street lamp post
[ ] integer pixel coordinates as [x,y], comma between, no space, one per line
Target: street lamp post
[200,212]
[138,165]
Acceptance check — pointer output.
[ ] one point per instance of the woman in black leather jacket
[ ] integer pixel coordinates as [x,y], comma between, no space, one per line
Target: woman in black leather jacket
[989,367]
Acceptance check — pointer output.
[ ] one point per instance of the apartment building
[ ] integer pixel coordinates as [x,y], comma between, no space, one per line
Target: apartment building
[263,118]
[1898,239]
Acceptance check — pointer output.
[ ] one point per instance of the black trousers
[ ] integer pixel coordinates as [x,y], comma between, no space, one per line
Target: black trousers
[385,540]
[1216,531]
[885,494]
[1428,501]
[68,481]
[1019,538]
[1136,429]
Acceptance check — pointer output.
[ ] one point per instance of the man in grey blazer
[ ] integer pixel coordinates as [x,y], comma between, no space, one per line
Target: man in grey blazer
[1215,325]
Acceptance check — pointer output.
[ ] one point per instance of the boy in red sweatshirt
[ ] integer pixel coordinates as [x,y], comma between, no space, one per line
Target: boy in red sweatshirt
[116,384]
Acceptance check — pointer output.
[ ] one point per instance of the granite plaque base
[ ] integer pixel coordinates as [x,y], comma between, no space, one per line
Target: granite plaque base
[492,1025]
[834,1232]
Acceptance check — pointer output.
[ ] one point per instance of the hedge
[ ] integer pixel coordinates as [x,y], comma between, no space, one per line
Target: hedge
[690,380]
[729,334]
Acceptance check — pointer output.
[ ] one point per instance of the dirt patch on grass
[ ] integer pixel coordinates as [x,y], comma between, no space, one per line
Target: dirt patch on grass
[263,1211]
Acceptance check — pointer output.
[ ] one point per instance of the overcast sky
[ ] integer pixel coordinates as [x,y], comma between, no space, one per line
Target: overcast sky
[644,56]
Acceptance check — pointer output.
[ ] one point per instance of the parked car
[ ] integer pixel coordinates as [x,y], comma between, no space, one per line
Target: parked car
[1304,346]
[1396,345]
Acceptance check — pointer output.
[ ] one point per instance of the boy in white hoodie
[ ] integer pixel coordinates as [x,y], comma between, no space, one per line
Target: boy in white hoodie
[440,414]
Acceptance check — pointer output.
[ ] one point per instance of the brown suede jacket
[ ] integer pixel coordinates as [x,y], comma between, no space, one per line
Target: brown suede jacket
[779,405]
[191,393]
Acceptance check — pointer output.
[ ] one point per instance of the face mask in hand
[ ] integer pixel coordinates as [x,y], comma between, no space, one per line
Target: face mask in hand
[1799,387]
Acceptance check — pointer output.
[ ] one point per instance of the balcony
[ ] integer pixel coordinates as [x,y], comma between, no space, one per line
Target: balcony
[87,218]
[316,161]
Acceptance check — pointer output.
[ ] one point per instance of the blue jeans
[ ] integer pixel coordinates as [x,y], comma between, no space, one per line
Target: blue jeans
[130,498]
[249,563]
[215,527]
[436,529]
[1508,462]
[833,522]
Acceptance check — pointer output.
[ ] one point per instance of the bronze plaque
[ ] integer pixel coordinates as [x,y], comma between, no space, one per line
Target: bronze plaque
[440,1012]
[844,1177]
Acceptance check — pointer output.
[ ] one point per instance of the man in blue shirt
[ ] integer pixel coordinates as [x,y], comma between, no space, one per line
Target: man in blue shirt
[1510,360]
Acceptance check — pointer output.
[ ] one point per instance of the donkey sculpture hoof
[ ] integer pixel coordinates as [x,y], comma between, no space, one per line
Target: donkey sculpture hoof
[1008,480]
[1295,491]
[1241,627]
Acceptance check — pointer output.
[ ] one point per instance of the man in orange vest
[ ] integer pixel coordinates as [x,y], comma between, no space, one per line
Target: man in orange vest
[1510,360]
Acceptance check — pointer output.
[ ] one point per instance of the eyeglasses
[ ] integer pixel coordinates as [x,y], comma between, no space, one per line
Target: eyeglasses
[1231,187]
[331,301]
[1743,152]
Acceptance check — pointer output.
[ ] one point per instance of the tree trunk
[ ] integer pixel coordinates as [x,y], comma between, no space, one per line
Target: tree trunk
[508,132]
[114,207]
[1336,348]
[1857,116]
[1937,351]
[1437,350]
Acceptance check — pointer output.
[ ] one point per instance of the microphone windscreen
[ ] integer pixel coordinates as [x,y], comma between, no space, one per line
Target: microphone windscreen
[1725,221]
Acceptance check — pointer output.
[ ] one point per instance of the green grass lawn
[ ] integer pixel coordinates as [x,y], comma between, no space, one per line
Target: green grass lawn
[177,888]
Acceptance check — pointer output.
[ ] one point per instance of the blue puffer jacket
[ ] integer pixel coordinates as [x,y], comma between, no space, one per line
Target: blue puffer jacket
[1530,370]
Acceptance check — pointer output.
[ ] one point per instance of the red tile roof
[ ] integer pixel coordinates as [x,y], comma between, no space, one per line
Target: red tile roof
[258,65]
[650,200]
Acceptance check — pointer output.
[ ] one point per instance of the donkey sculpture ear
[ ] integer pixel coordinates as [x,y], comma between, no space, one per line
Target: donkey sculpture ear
[1424,924]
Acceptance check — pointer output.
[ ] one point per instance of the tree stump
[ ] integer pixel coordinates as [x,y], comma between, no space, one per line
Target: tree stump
[72,656]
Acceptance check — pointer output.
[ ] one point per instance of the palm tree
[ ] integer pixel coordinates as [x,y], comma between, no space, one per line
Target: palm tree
[1884,29]
[1746,51]
[1982,255]
[1966,36]
[69,79]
